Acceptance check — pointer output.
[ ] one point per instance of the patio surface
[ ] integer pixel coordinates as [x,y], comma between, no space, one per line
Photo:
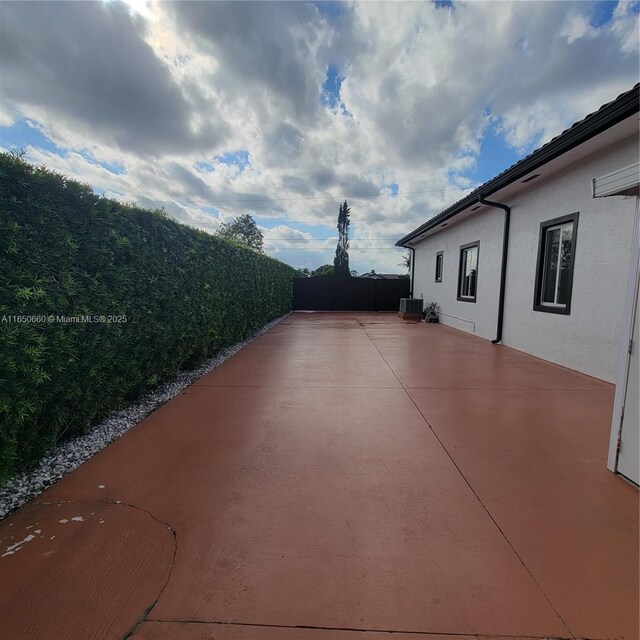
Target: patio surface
[343,477]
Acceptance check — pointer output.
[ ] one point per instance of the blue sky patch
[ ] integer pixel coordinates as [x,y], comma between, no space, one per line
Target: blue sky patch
[22,135]
[116,169]
[495,156]
[329,8]
[393,187]
[316,230]
[603,12]
[204,166]
[330,96]
[331,88]
[239,158]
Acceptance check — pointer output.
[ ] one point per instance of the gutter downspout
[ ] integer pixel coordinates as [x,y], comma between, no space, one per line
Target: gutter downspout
[413,269]
[503,269]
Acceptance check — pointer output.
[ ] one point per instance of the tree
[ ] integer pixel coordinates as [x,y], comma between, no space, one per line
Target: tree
[243,230]
[324,270]
[304,273]
[406,261]
[341,260]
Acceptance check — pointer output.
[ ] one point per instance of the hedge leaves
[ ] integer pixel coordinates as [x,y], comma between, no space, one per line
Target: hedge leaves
[66,252]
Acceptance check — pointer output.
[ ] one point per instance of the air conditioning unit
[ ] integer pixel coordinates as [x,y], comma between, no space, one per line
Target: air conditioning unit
[411,305]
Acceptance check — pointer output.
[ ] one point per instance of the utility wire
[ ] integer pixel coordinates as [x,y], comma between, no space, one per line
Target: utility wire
[322,224]
[320,249]
[342,197]
[383,238]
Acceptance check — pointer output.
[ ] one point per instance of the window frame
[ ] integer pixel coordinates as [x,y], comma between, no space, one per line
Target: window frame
[463,248]
[542,237]
[440,256]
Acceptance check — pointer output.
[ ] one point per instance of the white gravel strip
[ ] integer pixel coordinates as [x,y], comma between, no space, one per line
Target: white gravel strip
[70,454]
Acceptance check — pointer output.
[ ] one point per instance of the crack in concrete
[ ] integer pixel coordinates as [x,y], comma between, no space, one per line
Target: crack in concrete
[148,610]
[479,636]
[468,483]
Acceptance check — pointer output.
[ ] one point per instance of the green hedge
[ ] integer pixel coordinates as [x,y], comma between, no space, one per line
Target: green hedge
[65,251]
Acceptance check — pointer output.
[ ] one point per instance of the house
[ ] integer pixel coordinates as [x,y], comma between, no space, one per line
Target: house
[543,258]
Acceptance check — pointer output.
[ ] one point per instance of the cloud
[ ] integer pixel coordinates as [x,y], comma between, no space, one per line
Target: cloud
[215,109]
[7,118]
[272,47]
[87,66]
[297,247]
[282,143]
[624,27]
[426,75]
[188,185]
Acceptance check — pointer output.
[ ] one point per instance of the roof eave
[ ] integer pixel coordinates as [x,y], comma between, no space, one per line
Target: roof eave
[606,117]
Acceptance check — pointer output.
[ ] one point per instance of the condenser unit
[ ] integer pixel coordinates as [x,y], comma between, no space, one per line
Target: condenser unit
[411,305]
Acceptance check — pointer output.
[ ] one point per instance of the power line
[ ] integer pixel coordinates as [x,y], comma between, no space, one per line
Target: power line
[353,221]
[335,238]
[318,249]
[342,197]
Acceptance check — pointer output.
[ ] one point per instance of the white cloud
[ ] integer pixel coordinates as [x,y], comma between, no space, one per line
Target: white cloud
[577,26]
[531,126]
[298,247]
[7,118]
[625,26]
[162,89]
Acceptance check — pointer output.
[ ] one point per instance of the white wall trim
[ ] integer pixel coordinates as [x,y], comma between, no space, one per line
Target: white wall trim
[626,333]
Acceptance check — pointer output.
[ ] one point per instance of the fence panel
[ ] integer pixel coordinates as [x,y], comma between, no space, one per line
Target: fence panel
[389,292]
[343,293]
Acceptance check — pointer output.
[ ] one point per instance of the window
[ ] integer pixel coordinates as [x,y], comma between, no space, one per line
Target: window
[468,274]
[439,262]
[554,274]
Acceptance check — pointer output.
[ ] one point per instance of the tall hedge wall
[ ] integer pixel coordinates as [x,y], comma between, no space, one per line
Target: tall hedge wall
[66,252]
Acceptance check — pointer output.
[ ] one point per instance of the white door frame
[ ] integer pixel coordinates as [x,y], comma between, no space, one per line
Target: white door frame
[624,356]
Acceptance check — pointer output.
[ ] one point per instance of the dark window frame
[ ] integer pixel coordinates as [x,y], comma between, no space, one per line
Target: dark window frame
[537,305]
[440,254]
[463,248]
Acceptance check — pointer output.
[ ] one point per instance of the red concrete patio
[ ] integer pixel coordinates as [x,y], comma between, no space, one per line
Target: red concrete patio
[345,476]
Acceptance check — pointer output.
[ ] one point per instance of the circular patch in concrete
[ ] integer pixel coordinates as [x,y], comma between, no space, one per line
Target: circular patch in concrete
[80,569]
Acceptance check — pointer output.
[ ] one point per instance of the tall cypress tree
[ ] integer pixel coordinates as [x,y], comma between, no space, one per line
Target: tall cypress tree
[341,261]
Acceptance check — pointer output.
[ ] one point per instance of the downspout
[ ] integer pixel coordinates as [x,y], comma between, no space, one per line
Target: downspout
[503,271]
[413,269]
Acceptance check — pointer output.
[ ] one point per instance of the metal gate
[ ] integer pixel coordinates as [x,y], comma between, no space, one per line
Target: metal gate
[344,293]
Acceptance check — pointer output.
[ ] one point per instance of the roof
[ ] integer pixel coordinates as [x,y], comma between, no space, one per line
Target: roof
[609,114]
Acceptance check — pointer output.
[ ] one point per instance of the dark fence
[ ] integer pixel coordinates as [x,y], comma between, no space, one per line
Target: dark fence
[342,293]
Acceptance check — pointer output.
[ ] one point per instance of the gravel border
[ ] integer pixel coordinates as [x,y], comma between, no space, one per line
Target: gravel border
[70,454]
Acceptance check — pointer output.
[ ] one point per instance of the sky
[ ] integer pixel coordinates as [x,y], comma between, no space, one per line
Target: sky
[284,109]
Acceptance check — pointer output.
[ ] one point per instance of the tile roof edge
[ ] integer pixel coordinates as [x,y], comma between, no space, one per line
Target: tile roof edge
[609,114]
